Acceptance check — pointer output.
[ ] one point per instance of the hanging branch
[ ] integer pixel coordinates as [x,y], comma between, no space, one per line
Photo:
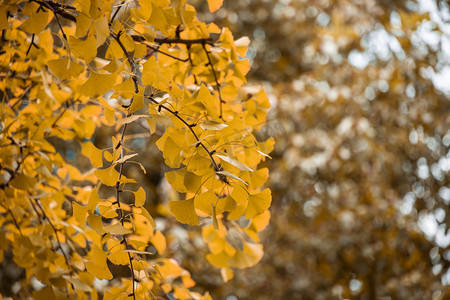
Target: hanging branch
[44,217]
[120,211]
[130,60]
[176,40]
[215,78]
[188,47]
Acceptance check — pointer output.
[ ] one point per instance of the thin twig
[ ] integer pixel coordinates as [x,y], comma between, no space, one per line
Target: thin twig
[55,13]
[167,40]
[115,13]
[130,60]
[215,78]
[190,61]
[45,217]
[167,54]
[120,211]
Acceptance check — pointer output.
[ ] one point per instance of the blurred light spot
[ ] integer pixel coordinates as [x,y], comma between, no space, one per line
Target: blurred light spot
[369,92]
[395,19]
[444,193]
[358,59]
[323,19]
[436,172]
[232,17]
[410,91]
[311,12]
[413,137]
[408,203]
[446,140]
[273,55]
[439,214]
[232,297]
[383,86]
[259,34]
[428,224]
[355,285]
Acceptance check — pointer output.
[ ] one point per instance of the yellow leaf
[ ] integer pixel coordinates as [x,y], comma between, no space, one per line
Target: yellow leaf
[97,265]
[86,49]
[225,204]
[93,200]
[130,119]
[23,182]
[258,203]
[117,228]
[101,31]
[159,241]
[36,22]
[251,255]
[80,212]
[119,258]
[204,201]
[64,68]
[239,194]
[171,153]
[95,221]
[97,84]
[107,176]
[94,154]
[260,222]
[227,274]
[214,5]
[139,197]
[184,211]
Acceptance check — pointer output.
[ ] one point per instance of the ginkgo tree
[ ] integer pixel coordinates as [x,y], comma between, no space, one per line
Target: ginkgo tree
[68,68]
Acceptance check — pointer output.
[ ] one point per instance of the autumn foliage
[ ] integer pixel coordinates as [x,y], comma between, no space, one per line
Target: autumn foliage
[82,229]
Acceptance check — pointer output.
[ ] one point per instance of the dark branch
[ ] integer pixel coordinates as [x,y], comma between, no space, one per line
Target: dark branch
[215,78]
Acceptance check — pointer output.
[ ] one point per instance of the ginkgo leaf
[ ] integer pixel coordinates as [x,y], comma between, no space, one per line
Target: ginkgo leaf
[84,49]
[249,257]
[257,204]
[97,84]
[184,211]
[159,241]
[212,125]
[107,176]
[65,68]
[94,199]
[234,162]
[227,274]
[94,154]
[205,200]
[171,153]
[130,119]
[139,197]
[36,22]
[97,265]
[95,222]
[117,228]
[214,5]
[80,213]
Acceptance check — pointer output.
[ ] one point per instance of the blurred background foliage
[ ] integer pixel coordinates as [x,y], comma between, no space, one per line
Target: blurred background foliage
[360,172]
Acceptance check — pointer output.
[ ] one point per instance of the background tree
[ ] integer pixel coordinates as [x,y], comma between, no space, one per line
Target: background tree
[360,165]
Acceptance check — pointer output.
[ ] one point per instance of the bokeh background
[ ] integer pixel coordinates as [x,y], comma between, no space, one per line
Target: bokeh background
[360,172]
